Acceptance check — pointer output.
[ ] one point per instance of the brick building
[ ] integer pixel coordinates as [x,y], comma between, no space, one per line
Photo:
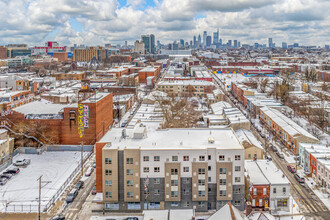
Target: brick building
[3,52]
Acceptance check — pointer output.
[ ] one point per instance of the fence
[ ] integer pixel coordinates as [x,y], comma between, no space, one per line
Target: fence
[45,207]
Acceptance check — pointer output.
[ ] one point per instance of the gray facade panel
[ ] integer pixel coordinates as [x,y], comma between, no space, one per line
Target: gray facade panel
[121,176]
[152,186]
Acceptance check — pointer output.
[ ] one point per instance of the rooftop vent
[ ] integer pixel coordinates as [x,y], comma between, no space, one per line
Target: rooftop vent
[211,140]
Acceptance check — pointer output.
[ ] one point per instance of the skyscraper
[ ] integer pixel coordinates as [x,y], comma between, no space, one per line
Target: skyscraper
[204,38]
[208,41]
[284,45]
[195,41]
[149,43]
[216,37]
[199,40]
[270,42]
[235,44]
[182,42]
[229,43]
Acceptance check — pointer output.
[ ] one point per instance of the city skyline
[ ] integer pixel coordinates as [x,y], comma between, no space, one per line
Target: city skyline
[306,22]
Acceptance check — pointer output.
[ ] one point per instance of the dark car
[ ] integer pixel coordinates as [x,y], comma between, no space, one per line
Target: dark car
[7,176]
[79,185]
[274,148]
[124,123]
[269,158]
[72,195]
[58,217]
[300,179]
[291,168]
[94,190]
[280,155]
[13,171]
[3,181]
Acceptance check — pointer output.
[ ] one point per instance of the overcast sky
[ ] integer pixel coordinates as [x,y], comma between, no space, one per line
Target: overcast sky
[96,22]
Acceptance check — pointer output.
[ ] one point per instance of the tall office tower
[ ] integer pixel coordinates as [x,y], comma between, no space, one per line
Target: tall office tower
[239,44]
[220,41]
[270,42]
[191,44]
[208,41]
[235,43]
[216,37]
[182,42]
[204,38]
[326,47]
[229,43]
[125,43]
[199,40]
[295,45]
[284,45]
[149,43]
[195,41]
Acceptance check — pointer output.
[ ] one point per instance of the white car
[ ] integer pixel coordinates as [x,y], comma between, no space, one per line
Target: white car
[23,162]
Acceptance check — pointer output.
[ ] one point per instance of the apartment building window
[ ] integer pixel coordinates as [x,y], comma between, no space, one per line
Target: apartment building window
[129,160]
[107,160]
[108,172]
[174,193]
[156,192]
[274,190]
[174,182]
[201,171]
[221,157]
[129,182]
[237,190]
[108,183]
[186,191]
[201,193]
[157,181]
[237,203]
[201,158]
[201,182]
[222,192]
[174,158]
[237,157]
[254,191]
[186,204]
[222,182]
[156,169]
[237,168]
[156,158]
[185,169]
[146,169]
[108,194]
[145,158]
[129,172]
[237,179]
[130,194]
[174,171]
[209,168]
[222,170]
[284,190]
[265,191]
[174,204]
[185,158]
[186,180]
[209,157]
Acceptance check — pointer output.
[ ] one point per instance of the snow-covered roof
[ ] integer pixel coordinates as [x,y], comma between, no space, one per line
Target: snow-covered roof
[264,172]
[185,83]
[288,125]
[95,98]
[260,216]
[218,107]
[228,212]
[42,107]
[155,215]
[179,139]
[247,136]
[181,214]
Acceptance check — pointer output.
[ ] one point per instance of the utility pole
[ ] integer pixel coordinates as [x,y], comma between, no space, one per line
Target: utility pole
[82,158]
[39,197]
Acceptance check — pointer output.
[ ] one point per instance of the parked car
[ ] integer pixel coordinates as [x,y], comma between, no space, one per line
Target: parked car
[3,181]
[13,171]
[124,123]
[79,185]
[72,195]
[7,176]
[291,168]
[274,148]
[58,217]
[94,190]
[94,164]
[269,158]
[89,171]
[23,162]
[280,155]
[300,179]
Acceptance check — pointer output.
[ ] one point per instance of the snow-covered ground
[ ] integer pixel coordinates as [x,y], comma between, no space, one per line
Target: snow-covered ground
[22,190]
[324,197]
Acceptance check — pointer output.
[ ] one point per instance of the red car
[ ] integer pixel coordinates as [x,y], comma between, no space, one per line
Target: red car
[291,168]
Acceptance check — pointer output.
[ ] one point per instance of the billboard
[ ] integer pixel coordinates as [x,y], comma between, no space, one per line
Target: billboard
[83,119]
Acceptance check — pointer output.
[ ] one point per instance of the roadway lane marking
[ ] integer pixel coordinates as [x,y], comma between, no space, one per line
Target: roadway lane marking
[68,216]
